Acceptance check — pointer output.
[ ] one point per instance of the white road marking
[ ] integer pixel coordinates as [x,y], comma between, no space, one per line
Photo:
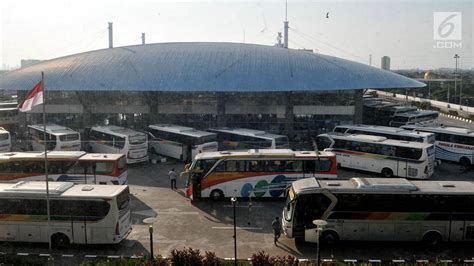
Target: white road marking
[243,206]
[238,228]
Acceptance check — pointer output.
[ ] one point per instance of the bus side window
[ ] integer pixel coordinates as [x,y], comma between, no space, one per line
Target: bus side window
[309,166]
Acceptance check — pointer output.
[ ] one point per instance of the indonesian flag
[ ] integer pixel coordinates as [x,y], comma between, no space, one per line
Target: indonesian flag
[33,98]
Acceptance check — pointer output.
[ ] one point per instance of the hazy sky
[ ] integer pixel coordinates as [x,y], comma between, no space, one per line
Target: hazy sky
[403,30]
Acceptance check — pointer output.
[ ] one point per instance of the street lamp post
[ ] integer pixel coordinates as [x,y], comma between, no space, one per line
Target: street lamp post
[149,221]
[456,57]
[234,203]
[320,224]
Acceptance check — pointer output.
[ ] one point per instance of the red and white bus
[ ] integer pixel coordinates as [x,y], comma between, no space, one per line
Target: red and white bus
[72,166]
[254,173]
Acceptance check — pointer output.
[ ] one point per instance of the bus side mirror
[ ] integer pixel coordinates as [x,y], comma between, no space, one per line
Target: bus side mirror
[186,167]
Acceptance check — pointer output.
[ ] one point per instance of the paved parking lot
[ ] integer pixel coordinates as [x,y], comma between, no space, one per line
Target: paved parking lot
[209,226]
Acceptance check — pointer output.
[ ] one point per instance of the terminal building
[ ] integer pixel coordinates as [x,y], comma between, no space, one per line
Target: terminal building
[202,85]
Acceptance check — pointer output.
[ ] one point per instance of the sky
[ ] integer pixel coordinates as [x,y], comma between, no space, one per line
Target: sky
[354,30]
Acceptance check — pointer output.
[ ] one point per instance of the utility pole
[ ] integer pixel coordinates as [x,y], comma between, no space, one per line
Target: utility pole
[111,36]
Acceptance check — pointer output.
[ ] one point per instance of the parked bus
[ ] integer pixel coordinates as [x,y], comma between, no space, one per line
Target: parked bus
[388,132]
[380,155]
[71,166]
[420,118]
[179,142]
[243,138]
[254,173]
[121,140]
[8,114]
[58,138]
[80,214]
[452,143]
[5,140]
[380,209]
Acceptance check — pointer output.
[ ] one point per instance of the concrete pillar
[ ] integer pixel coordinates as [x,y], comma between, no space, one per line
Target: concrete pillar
[151,99]
[289,114]
[221,98]
[358,106]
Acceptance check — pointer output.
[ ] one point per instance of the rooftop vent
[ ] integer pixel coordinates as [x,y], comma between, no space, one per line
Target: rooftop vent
[87,188]
[333,184]
[448,185]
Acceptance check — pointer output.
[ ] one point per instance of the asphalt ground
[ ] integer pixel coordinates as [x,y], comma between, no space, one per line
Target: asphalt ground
[208,225]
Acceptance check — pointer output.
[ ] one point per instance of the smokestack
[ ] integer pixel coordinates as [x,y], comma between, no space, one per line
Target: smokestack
[111,36]
[143,38]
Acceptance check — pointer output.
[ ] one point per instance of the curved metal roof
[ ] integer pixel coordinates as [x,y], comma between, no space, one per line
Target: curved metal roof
[203,67]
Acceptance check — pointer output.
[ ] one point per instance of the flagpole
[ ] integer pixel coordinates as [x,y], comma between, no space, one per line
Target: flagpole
[45,142]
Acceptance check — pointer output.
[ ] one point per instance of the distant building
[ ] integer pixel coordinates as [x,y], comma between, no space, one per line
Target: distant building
[29,62]
[385,63]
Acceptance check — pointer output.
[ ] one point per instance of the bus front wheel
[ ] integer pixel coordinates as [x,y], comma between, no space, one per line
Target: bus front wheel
[432,238]
[60,240]
[465,161]
[387,172]
[329,238]
[217,195]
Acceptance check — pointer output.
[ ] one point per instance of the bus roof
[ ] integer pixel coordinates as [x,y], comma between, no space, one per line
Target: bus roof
[54,129]
[248,132]
[59,189]
[378,139]
[385,129]
[388,185]
[262,153]
[101,157]
[40,155]
[117,130]
[443,129]
[188,131]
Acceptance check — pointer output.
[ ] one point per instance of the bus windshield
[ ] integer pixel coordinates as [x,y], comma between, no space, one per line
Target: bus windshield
[281,142]
[123,199]
[3,136]
[137,139]
[69,137]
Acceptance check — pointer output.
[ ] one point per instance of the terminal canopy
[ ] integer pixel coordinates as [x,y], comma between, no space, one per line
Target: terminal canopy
[195,67]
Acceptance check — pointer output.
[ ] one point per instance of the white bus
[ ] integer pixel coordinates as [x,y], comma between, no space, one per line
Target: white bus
[254,173]
[5,140]
[58,138]
[380,209]
[71,166]
[243,139]
[388,132]
[380,155]
[115,139]
[180,142]
[80,214]
[420,118]
[452,143]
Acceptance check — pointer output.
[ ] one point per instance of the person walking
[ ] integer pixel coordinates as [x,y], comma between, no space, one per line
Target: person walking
[172,175]
[276,230]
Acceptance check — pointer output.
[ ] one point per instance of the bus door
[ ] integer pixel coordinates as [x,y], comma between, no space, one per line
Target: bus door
[196,179]
[461,230]
[402,168]
[187,153]
[79,230]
